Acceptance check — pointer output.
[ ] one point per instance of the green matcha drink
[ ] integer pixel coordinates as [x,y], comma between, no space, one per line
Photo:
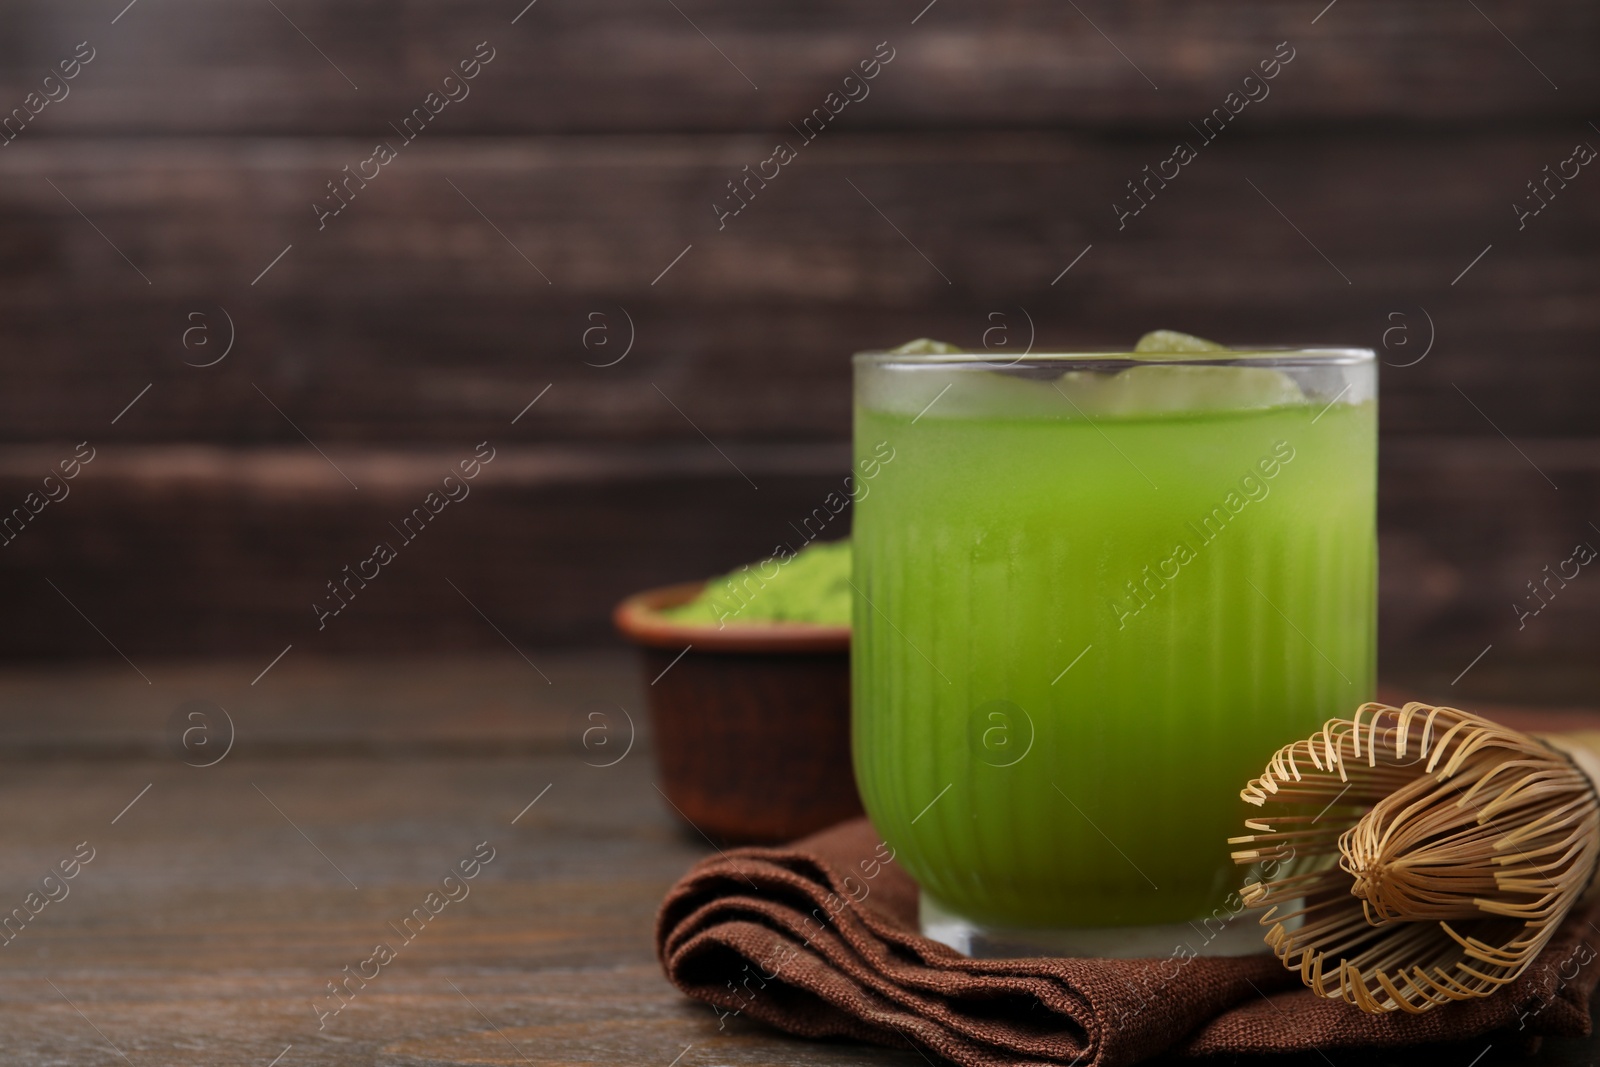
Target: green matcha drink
[1094,593]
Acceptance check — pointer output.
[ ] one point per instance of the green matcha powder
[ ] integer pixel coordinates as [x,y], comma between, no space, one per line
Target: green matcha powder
[811,586]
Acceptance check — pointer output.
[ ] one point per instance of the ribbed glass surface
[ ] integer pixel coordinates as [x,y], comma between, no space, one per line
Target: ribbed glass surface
[1077,637]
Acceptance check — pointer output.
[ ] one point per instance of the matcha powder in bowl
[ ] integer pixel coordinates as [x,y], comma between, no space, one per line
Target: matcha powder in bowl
[812,586]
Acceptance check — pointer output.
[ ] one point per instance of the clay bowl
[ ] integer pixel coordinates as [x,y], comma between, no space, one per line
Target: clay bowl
[751,724]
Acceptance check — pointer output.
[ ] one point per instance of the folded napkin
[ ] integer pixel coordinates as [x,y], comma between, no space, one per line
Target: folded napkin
[820,939]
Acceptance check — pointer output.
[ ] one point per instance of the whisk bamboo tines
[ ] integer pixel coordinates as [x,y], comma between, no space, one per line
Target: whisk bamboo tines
[1423,854]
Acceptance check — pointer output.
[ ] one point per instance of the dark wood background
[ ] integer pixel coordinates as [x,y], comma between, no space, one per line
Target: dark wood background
[459,284]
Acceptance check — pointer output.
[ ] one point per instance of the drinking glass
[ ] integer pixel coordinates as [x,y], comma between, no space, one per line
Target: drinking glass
[1094,593]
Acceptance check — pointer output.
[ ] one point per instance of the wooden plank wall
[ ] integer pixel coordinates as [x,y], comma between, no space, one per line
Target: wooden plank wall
[562,206]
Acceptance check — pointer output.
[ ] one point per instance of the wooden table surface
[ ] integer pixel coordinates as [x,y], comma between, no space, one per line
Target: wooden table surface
[221,900]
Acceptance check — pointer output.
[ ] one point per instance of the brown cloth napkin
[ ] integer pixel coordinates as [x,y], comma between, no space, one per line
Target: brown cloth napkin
[820,939]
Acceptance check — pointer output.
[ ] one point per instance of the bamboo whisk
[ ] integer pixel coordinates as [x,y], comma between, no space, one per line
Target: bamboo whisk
[1422,854]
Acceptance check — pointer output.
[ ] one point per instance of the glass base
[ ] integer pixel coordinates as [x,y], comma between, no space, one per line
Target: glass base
[1238,935]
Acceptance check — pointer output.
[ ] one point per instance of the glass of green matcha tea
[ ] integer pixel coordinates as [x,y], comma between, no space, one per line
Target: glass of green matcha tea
[1093,594]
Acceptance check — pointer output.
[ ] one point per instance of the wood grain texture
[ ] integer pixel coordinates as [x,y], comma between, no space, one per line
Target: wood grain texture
[208,923]
[209,550]
[1464,527]
[626,65]
[487,704]
[410,318]
[206,929]
[1368,200]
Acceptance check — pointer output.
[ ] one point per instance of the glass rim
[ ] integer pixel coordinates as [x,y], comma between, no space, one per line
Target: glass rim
[1252,356]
